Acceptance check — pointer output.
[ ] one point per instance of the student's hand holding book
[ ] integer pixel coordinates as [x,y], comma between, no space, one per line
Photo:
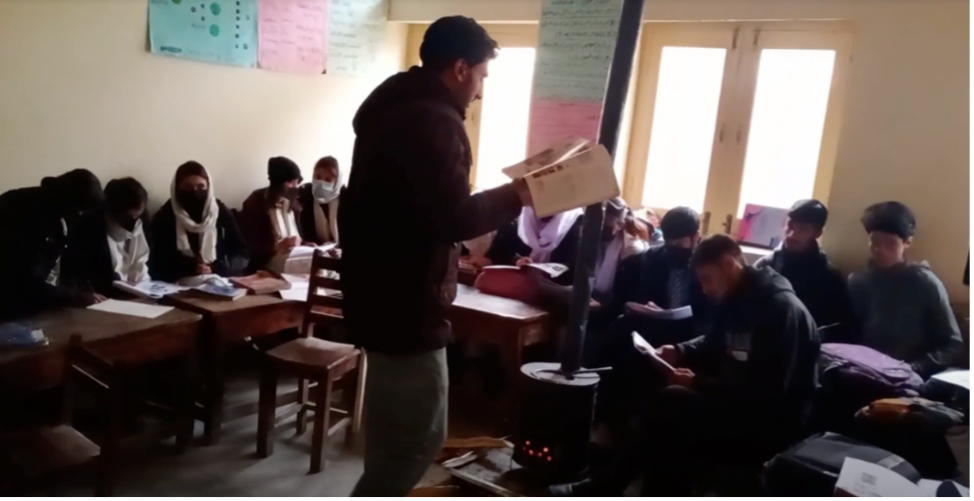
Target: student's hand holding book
[681,377]
[669,354]
[287,244]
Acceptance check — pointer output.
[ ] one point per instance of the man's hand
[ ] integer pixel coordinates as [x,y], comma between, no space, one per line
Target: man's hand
[653,306]
[203,269]
[287,244]
[669,354]
[524,261]
[681,377]
[521,185]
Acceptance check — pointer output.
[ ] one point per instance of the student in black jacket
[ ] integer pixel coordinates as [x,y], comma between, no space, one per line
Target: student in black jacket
[740,393]
[195,234]
[320,201]
[816,282]
[660,278]
[112,244]
[35,224]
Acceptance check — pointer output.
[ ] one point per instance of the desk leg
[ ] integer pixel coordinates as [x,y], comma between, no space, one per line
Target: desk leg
[187,421]
[513,359]
[214,386]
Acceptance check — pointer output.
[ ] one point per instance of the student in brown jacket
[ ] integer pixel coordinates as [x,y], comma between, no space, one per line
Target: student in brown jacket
[270,217]
[412,159]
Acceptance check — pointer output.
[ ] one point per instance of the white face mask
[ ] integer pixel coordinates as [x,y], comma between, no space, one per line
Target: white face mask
[324,191]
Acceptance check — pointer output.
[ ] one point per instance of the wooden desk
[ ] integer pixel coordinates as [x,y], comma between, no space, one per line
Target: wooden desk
[226,322]
[510,324]
[135,340]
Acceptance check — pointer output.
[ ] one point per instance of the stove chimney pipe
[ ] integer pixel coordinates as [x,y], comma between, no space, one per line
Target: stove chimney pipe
[612,108]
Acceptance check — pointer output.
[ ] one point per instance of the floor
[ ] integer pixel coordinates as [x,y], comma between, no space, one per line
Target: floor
[231,468]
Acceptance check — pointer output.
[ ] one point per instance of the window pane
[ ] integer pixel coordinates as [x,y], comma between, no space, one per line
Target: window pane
[786,126]
[504,115]
[684,120]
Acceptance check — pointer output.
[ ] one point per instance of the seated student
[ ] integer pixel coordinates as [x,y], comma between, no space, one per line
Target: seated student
[319,200]
[194,234]
[902,306]
[622,236]
[270,216]
[530,239]
[816,282]
[111,244]
[661,277]
[740,393]
[34,230]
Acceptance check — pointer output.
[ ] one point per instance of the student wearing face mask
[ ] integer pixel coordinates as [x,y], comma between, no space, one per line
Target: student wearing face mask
[35,224]
[195,234]
[111,244]
[659,278]
[319,200]
[270,216]
[533,239]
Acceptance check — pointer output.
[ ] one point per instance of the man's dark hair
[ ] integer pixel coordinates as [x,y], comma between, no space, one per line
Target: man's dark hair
[890,217]
[711,249]
[124,194]
[456,37]
[680,222]
[76,188]
[810,212]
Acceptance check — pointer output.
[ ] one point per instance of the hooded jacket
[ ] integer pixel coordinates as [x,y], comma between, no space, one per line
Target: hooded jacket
[820,286]
[905,313]
[411,161]
[760,352]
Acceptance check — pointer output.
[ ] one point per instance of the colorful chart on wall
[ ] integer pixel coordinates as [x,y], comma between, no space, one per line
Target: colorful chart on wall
[576,43]
[216,31]
[356,32]
[292,35]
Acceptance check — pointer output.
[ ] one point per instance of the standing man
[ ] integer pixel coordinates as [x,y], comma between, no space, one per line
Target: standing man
[412,160]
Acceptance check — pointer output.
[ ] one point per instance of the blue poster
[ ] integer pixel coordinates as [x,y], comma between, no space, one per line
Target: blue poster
[216,31]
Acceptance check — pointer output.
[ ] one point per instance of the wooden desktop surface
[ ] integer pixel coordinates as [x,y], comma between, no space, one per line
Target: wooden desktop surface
[135,340]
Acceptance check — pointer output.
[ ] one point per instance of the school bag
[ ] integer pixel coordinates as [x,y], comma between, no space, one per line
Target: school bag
[867,373]
[811,468]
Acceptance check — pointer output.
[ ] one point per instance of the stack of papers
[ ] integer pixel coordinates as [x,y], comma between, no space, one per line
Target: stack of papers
[131,308]
[643,347]
[579,175]
[154,290]
[680,313]
[860,478]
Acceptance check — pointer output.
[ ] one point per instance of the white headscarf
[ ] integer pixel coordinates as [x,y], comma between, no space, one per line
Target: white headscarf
[543,237]
[205,229]
[129,251]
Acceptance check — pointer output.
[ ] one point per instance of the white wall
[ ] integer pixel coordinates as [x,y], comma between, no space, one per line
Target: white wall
[79,89]
[907,124]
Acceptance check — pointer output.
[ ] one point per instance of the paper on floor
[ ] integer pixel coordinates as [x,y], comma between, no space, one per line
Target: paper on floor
[131,308]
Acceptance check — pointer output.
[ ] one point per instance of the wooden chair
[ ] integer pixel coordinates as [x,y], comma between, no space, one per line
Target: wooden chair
[319,361]
[41,456]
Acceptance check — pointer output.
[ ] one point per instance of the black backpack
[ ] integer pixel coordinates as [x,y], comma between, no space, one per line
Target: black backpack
[811,468]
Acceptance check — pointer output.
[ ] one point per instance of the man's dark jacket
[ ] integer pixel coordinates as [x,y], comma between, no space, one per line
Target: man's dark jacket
[411,163]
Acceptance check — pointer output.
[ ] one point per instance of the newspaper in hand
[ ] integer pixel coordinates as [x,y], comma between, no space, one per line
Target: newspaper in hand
[583,179]
[557,152]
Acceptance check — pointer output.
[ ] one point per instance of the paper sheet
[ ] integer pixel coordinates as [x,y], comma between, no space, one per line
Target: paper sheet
[292,35]
[864,479]
[681,313]
[131,308]
[555,151]
[762,226]
[643,346]
[149,290]
[960,378]
[583,179]
[216,31]
[356,32]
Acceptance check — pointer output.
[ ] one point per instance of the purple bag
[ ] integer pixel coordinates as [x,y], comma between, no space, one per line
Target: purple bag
[867,372]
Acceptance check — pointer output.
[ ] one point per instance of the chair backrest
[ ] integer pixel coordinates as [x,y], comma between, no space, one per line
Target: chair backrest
[324,284]
[82,367]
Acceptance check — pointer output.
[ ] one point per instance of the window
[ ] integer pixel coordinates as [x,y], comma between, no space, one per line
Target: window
[728,114]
